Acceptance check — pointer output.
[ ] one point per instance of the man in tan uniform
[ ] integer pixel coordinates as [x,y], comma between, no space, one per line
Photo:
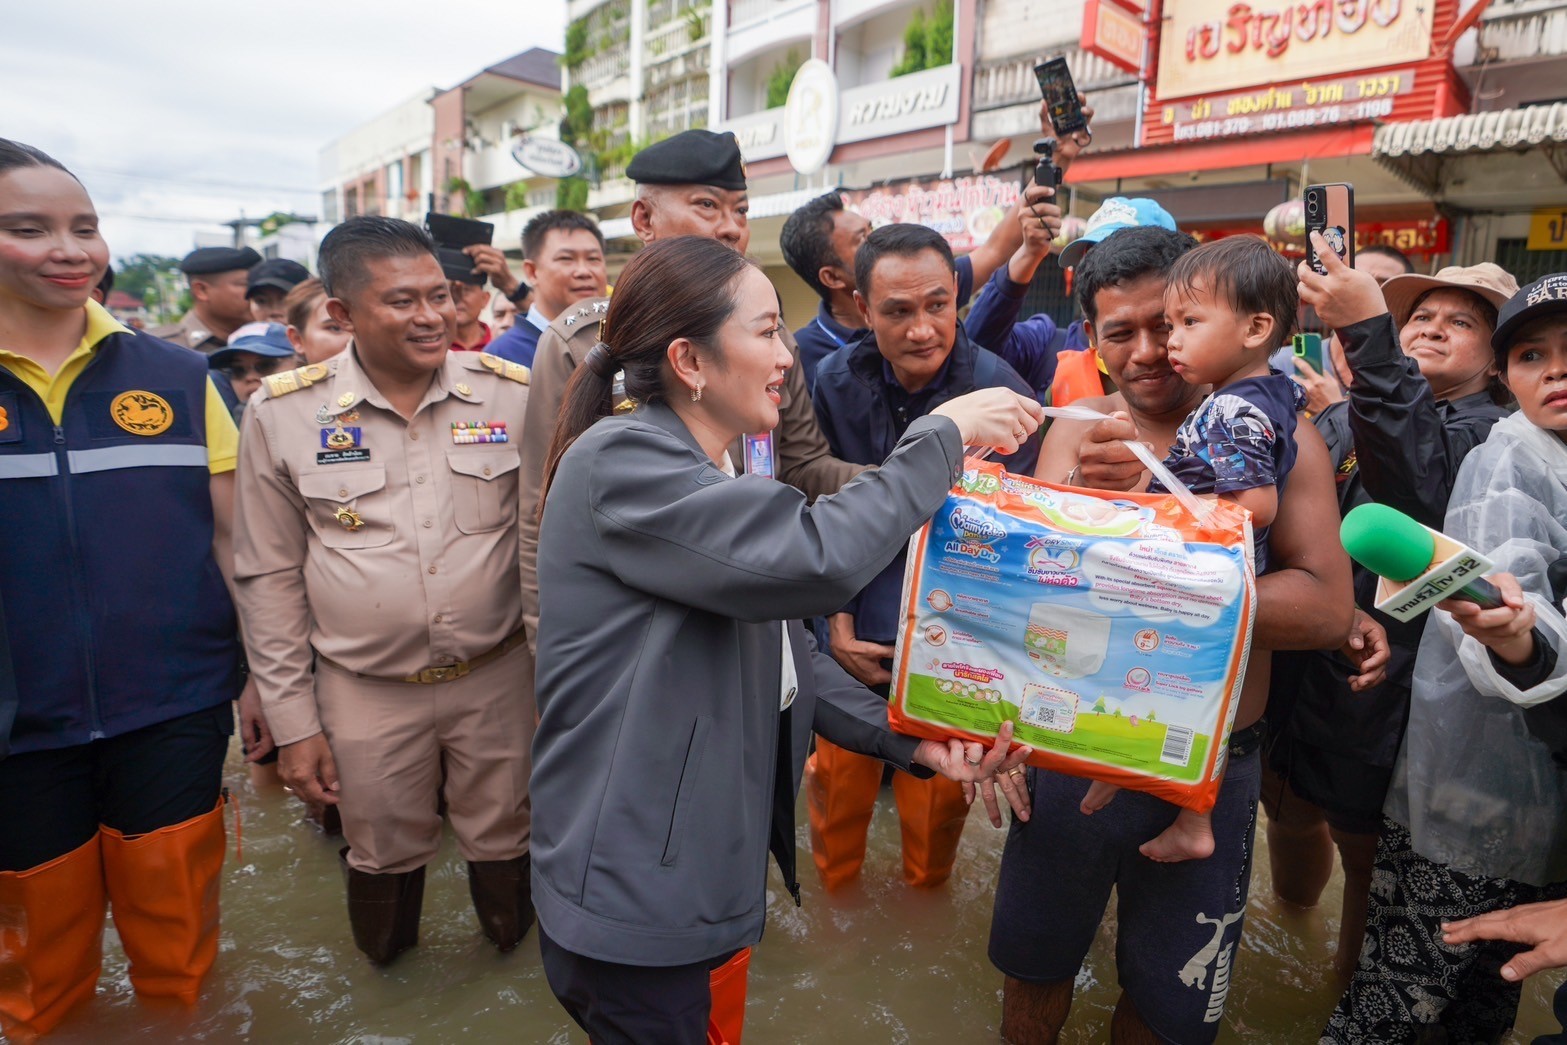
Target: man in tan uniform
[376,567]
[218,282]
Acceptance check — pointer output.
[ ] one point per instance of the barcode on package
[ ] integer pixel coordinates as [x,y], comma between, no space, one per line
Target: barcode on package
[1177,746]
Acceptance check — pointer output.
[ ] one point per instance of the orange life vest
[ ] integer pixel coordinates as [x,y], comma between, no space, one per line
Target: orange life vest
[1077,377]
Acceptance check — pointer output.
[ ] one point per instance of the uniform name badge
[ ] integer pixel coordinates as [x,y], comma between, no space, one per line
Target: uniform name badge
[760,458]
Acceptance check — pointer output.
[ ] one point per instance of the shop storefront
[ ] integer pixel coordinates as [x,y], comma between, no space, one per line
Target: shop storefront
[1244,105]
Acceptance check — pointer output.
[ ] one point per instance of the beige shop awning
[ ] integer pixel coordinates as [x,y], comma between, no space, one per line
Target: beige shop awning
[1502,130]
[1473,160]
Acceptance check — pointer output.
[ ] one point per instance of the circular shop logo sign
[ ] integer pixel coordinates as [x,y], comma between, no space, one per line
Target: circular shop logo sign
[547,157]
[810,117]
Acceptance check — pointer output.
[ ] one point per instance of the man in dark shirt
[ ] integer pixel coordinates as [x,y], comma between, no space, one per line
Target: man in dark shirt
[563,259]
[913,356]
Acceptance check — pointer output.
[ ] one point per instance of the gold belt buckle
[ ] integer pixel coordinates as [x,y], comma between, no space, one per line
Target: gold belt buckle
[430,676]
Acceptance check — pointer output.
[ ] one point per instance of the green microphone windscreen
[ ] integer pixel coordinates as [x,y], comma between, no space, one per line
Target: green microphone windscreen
[1387,542]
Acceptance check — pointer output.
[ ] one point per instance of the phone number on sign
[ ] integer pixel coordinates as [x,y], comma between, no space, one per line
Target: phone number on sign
[1370,109]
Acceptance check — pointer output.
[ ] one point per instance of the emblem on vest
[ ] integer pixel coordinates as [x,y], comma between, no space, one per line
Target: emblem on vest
[142,413]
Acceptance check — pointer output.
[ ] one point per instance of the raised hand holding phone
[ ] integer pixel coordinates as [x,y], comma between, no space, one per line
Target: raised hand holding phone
[1062,101]
[1341,294]
[1330,210]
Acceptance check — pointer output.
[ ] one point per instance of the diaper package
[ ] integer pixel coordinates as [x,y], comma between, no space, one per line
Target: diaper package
[1112,630]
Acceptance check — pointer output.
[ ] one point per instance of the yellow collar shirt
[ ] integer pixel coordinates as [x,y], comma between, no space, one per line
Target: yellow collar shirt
[222,435]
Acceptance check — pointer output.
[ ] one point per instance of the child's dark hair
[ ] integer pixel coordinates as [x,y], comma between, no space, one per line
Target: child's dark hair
[676,288]
[1126,257]
[1246,274]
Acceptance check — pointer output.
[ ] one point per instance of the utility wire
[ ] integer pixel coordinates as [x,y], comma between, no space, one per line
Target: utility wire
[176,179]
[165,218]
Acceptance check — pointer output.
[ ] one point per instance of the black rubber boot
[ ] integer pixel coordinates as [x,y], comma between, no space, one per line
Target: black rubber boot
[503,899]
[383,910]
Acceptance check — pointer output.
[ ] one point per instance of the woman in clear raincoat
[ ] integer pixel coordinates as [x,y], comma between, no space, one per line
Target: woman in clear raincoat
[1476,819]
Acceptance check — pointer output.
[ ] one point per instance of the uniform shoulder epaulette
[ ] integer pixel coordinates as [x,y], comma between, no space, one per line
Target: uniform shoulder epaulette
[293,380]
[505,368]
[585,316]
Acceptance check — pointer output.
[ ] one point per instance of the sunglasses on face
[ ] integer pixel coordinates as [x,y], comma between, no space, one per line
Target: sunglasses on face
[261,368]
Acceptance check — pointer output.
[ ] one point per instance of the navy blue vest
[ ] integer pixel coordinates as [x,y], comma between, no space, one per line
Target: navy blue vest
[116,611]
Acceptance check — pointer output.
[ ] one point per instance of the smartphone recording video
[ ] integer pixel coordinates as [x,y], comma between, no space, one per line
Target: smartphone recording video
[1055,82]
[1330,210]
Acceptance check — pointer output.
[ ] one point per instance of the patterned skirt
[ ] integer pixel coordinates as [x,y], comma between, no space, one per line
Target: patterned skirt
[1408,982]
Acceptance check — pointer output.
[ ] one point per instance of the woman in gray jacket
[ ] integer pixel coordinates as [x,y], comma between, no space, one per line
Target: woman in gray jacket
[677,693]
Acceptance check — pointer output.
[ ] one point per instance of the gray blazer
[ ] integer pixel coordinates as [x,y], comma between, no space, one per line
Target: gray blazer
[663,771]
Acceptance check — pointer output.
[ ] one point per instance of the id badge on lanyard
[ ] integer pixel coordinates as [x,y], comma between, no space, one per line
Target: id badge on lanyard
[760,458]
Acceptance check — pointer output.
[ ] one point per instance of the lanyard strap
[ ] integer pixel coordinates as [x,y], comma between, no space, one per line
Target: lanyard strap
[823,328]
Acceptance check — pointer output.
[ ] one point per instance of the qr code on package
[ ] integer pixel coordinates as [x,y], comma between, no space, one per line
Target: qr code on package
[1049,707]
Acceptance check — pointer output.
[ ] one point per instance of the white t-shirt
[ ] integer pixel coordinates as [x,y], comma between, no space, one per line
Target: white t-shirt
[788,678]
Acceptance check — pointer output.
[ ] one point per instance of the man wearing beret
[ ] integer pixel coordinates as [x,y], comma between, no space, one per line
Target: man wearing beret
[218,283]
[268,283]
[692,184]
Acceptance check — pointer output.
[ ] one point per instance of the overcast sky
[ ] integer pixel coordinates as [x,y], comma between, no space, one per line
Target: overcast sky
[177,114]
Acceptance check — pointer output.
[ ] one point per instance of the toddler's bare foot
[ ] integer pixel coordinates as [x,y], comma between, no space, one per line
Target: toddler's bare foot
[1099,795]
[1189,838]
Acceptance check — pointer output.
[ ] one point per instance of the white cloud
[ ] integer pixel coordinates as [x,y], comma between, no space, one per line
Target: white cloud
[179,114]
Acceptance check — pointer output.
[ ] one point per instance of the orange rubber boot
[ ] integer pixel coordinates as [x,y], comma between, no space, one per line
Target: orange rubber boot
[51,940]
[931,814]
[727,983]
[840,789]
[163,893]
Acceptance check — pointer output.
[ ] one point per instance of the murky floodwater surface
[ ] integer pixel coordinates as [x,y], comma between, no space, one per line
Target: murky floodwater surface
[878,963]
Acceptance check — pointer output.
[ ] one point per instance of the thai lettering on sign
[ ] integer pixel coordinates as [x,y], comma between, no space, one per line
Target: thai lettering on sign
[1209,45]
[1309,103]
[964,210]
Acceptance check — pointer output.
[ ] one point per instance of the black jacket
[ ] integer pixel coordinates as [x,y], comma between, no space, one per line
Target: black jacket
[1391,442]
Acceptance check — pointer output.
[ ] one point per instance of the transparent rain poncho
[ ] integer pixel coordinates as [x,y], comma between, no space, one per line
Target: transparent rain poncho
[1476,789]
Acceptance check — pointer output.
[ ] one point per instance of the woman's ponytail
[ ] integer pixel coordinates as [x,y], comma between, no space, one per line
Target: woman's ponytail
[587,400]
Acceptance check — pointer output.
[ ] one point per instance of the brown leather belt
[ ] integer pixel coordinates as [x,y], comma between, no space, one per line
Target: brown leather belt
[446,673]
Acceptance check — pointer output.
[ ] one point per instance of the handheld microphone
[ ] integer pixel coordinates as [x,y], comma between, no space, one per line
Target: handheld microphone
[1419,567]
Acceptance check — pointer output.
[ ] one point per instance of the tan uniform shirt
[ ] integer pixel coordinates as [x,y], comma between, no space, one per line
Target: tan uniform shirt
[804,459]
[191,332]
[389,546]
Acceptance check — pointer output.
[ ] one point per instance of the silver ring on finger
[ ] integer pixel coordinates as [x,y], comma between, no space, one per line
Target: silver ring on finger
[972,761]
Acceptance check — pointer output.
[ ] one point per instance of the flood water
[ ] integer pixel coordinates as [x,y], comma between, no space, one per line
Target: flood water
[881,963]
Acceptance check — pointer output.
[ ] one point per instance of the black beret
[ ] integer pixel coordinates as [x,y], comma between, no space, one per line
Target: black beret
[279,273]
[693,157]
[204,261]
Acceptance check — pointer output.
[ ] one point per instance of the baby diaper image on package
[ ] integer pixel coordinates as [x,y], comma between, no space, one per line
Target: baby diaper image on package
[1112,629]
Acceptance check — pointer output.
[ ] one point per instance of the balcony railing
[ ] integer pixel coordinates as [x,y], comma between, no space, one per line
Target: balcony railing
[673,39]
[684,66]
[743,11]
[604,67]
[1010,81]
[1523,29]
[660,12]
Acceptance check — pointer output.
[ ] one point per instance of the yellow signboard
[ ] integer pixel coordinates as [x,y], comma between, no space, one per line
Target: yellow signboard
[1548,229]
[1218,45]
